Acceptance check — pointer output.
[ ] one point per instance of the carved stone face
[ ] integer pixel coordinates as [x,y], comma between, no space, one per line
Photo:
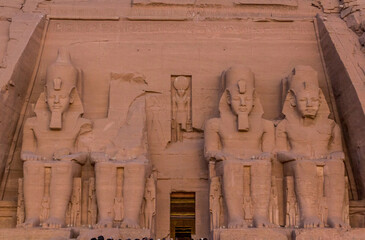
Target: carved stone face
[240,102]
[308,102]
[181,92]
[58,101]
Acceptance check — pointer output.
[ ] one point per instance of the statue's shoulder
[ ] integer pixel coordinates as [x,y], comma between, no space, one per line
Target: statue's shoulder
[212,124]
[30,122]
[267,124]
[85,125]
[282,124]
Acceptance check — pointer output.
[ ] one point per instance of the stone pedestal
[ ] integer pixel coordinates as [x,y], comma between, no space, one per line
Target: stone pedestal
[71,233]
[36,234]
[115,233]
[251,234]
[329,234]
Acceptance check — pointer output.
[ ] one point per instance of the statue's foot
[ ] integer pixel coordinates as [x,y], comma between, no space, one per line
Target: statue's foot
[53,222]
[336,222]
[237,223]
[128,223]
[261,222]
[104,223]
[31,222]
[312,222]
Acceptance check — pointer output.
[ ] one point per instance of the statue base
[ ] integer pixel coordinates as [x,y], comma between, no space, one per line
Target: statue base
[329,234]
[114,233]
[288,234]
[251,233]
[36,233]
[72,233]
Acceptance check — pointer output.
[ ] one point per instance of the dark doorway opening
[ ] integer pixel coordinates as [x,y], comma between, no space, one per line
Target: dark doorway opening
[182,215]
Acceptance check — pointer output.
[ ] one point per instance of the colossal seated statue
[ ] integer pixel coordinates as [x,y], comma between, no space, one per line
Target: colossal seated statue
[240,144]
[309,145]
[53,149]
[120,170]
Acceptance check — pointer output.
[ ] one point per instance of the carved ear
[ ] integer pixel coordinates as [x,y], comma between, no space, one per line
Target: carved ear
[72,95]
[291,97]
[228,94]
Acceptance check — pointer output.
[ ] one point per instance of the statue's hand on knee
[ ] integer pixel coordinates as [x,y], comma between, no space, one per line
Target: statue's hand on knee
[99,157]
[339,155]
[30,156]
[264,156]
[289,156]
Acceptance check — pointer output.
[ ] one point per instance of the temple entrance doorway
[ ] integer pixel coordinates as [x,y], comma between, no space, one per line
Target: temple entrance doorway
[182,215]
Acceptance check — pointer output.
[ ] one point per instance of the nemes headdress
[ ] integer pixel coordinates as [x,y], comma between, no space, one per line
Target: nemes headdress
[303,78]
[62,75]
[239,77]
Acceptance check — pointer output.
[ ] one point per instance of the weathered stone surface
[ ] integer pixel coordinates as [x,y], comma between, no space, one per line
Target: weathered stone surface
[87,234]
[250,234]
[35,234]
[160,106]
[328,234]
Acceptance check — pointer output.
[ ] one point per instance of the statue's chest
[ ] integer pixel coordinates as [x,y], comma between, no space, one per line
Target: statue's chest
[55,136]
[312,134]
[233,135]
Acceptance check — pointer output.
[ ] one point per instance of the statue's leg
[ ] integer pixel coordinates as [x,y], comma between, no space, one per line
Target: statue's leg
[106,185]
[307,194]
[233,193]
[62,174]
[133,189]
[334,173]
[33,192]
[260,192]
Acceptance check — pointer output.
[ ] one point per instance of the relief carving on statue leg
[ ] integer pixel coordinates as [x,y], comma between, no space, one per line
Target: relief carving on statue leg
[92,207]
[306,140]
[241,137]
[215,203]
[150,203]
[54,140]
[20,204]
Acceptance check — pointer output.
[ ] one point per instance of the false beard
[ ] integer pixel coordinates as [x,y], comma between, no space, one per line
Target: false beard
[56,120]
[243,124]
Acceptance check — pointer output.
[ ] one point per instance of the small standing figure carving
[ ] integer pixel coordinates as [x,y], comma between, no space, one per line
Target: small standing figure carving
[118,200]
[247,208]
[91,204]
[76,203]
[215,202]
[291,203]
[20,207]
[150,202]
[274,203]
[181,113]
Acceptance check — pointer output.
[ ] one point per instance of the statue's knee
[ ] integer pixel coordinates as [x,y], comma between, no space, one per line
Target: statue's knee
[62,168]
[33,168]
[335,167]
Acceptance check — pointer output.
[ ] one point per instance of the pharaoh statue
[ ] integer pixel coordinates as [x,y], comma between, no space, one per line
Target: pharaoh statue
[120,170]
[309,146]
[240,144]
[53,147]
